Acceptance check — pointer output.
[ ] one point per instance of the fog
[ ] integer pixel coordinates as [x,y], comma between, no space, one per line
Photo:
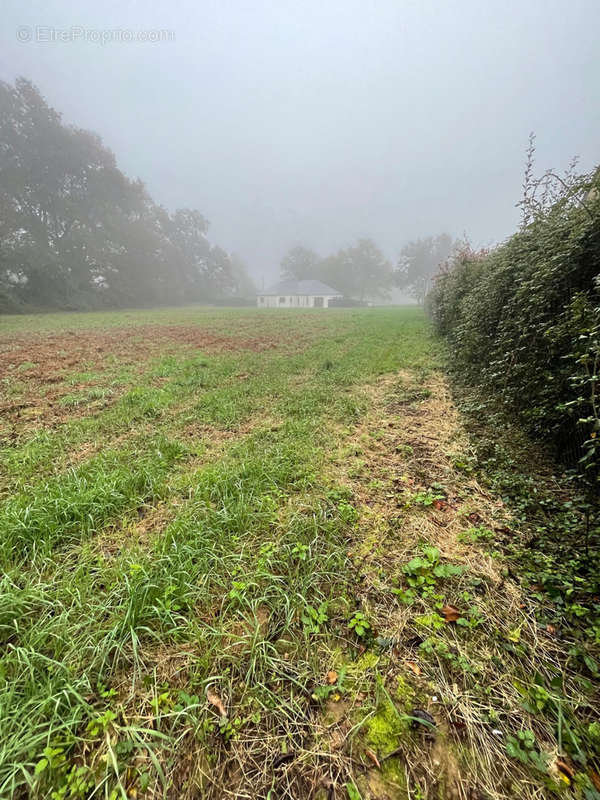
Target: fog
[319,122]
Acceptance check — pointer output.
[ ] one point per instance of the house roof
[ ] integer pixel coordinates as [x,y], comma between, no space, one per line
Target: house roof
[300,287]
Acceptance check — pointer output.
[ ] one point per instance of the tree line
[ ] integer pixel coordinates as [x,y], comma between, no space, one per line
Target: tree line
[76,233]
[362,271]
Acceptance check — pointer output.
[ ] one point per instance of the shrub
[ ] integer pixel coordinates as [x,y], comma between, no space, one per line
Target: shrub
[523,320]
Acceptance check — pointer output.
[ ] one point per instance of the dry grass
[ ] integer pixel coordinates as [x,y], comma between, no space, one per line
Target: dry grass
[407,442]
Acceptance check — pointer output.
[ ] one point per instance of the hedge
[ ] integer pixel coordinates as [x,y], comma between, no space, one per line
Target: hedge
[523,322]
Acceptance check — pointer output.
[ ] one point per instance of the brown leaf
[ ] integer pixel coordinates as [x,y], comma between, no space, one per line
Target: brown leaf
[331,677]
[414,667]
[214,699]
[474,518]
[565,768]
[450,613]
[551,629]
[373,758]
[440,505]
[595,779]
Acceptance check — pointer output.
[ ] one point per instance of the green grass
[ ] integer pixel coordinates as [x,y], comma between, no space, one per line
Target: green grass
[276,533]
[232,446]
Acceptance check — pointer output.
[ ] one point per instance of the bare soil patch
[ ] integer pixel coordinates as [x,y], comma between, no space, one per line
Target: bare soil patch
[41,362]
[45,357]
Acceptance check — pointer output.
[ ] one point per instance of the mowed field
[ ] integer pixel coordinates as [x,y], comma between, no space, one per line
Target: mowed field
[229,543]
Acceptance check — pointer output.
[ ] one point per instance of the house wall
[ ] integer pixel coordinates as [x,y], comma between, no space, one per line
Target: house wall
[292,301]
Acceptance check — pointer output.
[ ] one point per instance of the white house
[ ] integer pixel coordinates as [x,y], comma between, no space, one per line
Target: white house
[297,294]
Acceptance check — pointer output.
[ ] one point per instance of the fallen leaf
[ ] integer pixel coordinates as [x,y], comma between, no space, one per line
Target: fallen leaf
[440,505]
[372,757]
[331,677]
[595,779]
[474,517]
[450,613]
[565,768]
[414,667]
[551,629]
[214,699]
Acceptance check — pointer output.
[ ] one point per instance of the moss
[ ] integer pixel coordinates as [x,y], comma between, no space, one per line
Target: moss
[405,694]
[366,662]
[385,729]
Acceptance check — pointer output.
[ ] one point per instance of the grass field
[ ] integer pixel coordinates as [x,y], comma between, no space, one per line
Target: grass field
[242,558]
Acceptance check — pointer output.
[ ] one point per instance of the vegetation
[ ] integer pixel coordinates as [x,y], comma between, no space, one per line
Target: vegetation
[359,272]
[362,271]
[245,552]
[420,261]
[77,233]
[523,321]
[522,325]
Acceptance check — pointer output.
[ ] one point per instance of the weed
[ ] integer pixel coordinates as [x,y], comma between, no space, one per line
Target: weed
[359,624]
[523,747]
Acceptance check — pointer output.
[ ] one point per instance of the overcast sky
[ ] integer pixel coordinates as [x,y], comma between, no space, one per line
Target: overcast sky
[319,121]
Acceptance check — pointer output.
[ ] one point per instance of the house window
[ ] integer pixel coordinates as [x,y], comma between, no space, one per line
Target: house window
[261,300]
[282,301]
[318,302]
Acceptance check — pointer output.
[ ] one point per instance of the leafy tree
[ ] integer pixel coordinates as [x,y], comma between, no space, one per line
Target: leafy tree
[300,263]
[75,232]
[419,261]
[244,286]
[361,271]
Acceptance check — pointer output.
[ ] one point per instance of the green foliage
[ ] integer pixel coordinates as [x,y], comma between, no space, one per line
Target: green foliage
[426,498]
[353,793]
[300,263]
[359,624]
[523,322]
[439,648]
[88,610]
[423,572]
[523,747]
[314,618]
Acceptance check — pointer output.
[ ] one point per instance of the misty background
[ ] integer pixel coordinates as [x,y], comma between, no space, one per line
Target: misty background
[316,122]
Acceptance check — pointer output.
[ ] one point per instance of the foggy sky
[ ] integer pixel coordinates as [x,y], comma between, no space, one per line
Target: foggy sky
[319,121]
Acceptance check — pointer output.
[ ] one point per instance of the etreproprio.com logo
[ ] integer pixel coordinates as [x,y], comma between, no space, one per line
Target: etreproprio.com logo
[47,34]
